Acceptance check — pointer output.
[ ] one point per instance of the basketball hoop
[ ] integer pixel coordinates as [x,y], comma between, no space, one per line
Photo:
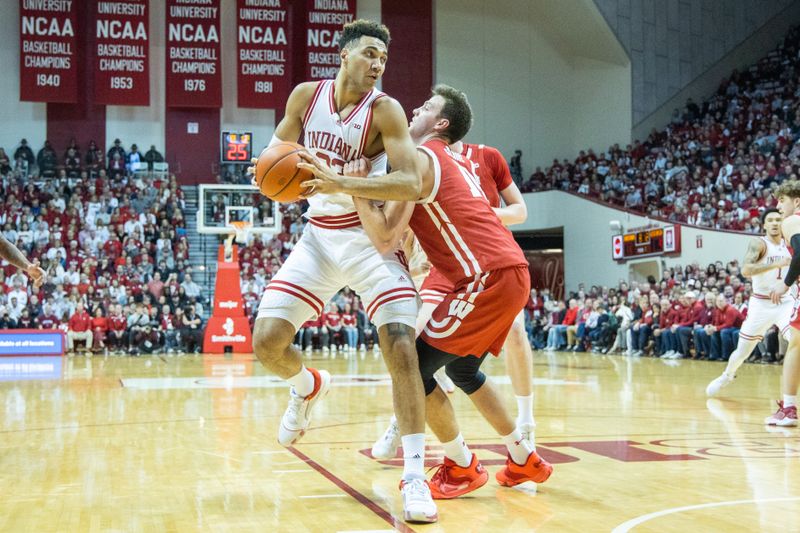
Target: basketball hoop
[240,234]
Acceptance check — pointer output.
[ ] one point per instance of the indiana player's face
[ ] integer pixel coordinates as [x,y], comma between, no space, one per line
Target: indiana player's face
[426,118]
[772,224]
[365,61]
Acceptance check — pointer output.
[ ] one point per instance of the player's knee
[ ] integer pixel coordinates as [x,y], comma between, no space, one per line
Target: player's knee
[468,380]
[271,336]
[398,340]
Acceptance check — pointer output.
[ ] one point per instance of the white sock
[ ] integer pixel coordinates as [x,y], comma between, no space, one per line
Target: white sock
[740,354]
[518,448]
[524,410]
[789,400]
[457,450]
[303,382]
[413,456]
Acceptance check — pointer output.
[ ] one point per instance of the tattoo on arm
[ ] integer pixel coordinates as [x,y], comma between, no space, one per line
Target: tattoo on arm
[755,250]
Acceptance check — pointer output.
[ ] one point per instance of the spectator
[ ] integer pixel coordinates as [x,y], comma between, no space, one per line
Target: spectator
[191,333]
[116,150]
[724,329]
[100,328]
[79,329]
[153,156]
[25,153]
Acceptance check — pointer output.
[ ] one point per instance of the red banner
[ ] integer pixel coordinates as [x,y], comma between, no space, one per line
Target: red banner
[194,71]
[122,73]
[48,58]
[324,24]
[264,72]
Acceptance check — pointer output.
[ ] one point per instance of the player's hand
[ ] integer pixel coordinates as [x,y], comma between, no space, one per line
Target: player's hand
[673,328]
[777,293]
[252,171]
[36,273]
[326,180]
[358,168]
[785,262]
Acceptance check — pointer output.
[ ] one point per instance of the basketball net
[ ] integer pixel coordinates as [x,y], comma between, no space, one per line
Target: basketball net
[240,234]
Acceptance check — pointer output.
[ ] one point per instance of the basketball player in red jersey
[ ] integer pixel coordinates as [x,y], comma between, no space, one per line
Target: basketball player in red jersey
[342,120]
[788,195]
[466,241]
[496,183]
[11,253]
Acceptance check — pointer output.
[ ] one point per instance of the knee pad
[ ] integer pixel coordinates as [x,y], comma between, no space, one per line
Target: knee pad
[467,381]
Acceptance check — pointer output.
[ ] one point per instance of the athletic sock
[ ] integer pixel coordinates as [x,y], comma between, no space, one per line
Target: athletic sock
[303,382]
[524,410]
[518,448]
[457,451]
[740,354]
[413,456]
[789,400]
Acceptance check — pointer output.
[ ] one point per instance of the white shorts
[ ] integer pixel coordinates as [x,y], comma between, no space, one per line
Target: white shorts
[762,314]
[325,260]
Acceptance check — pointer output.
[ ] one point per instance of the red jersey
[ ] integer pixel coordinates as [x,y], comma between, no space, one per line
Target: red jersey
[117,323]
[349,320]
[491,168]
[456,226]
[333,320]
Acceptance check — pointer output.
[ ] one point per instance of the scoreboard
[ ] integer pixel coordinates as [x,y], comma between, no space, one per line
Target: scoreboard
[646,242]
[236,147]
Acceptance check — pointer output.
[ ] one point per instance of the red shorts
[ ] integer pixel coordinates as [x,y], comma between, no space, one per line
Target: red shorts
[795,320]
[475,317]
[435,287]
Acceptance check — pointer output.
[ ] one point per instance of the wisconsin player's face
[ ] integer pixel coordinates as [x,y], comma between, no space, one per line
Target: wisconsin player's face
[425,117]
[772,224]
[786,206]
[366,61]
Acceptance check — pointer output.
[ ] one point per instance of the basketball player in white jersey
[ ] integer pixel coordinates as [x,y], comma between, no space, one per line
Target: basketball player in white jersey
[11,253]
[343,120]
[788,195]
[766,261]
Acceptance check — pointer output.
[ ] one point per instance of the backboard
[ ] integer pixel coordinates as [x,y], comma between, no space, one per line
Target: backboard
[219,205]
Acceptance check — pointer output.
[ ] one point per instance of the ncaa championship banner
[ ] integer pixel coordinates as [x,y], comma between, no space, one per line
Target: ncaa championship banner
[122,73]
[193,62]
[324,21]
[48,59]
[263,68]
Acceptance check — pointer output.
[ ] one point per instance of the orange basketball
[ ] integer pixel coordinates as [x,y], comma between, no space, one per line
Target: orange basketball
[277,175]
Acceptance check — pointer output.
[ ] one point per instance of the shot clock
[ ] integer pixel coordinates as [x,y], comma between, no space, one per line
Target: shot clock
[237,147]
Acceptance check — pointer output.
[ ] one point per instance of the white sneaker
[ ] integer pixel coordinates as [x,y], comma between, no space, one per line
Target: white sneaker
[325,349]
[677,355]
[297,416]
[444,381]
[668,355]
[418,504]
[718,384]
[528,433]
[386,446]
[362,348]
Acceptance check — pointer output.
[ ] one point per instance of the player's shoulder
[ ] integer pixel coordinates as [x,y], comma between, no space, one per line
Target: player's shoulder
[306,89]
[385,104]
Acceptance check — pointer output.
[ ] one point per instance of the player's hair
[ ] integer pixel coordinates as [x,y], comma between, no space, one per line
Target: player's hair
[456,110]
[353,31]
[790,188]
[768,212]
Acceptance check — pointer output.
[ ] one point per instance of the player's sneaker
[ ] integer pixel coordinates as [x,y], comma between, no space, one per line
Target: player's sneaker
[535,469]
[451,480]
[297,416]
[444,381]
[418,505]
[718,384]
[386,446]
[527,431]
[784,416]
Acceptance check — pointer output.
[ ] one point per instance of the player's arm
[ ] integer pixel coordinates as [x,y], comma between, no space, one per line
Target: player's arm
[402,183]
[11,253]
[791,232]
[755,251]
[385,225]
[515,211]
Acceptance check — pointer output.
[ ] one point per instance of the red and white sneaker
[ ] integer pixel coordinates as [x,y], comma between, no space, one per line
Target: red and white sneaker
[451,480]
[784,416]
[535,469]
[297,416]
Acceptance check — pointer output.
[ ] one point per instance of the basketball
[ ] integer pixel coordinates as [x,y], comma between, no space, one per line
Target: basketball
[277,175]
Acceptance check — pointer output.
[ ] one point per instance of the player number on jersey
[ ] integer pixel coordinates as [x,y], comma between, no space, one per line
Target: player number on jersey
[473,182]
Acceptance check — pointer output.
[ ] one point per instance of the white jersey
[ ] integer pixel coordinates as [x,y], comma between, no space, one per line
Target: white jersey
[338,140]
[764,283]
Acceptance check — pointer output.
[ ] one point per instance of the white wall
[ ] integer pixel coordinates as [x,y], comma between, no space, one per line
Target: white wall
[528,74]
[142,125]
[587,238]
[18,119]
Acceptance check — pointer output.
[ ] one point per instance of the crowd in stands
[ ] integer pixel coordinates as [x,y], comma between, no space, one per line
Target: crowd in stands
[113,243]
[714,165]
[690,313]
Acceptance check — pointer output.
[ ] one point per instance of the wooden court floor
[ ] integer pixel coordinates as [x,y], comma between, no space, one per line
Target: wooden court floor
[162,444]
